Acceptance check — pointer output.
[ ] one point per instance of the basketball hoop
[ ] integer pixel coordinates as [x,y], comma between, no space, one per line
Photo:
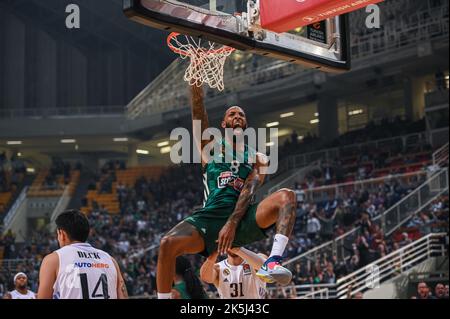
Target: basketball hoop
[207,59]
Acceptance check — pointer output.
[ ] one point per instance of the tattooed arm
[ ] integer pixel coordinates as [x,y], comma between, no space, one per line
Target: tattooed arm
[200,116]
[253,181]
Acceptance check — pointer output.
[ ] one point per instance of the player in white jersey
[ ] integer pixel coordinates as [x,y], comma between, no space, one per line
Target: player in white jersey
[235,277]
[77,270]
[21,291]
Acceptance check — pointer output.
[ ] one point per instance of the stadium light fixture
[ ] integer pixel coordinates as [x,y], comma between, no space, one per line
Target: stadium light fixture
[284,132]
[68,141]
[356,112]
[315,121]
[14,142]
[316,114]
[162,144]
[30,170]
[288,114]
[143,152]
[19,154]
[165,150]
[272,124]
[120,139]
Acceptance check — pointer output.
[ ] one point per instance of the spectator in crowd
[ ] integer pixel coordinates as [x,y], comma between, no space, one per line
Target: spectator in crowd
[365,223]
[353,263]
[329,276]
[423,291]
[327,173]
[300,194]
[277,293]
[312,226]
[363,246]
[339,267]
[291,292]
[405,240]
[326,225]
[439,291]
[21,290]
[357,295]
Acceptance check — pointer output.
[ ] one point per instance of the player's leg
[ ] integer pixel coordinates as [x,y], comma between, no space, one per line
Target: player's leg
[280,209]
[180,240]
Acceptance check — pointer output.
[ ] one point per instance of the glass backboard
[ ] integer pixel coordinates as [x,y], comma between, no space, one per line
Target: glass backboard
[235,23]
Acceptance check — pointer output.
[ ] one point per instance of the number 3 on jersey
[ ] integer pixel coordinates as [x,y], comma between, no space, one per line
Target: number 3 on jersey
[238,290]
[103,280]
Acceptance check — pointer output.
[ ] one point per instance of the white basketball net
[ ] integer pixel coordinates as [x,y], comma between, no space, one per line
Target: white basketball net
[207,60]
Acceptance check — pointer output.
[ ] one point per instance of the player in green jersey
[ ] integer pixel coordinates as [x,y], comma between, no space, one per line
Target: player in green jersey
[229,218]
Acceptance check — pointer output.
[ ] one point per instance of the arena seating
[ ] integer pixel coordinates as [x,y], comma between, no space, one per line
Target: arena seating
[5,197]
[53,181]
[39,189]
[370,245]
[110,200]
[363,167]
[127,235]
[12,174]
[129,210]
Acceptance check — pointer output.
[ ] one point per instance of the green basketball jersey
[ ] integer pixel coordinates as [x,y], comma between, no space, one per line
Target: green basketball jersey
[224,182]
[182,289]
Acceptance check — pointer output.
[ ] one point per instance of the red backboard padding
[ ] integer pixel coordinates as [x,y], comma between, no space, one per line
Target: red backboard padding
[285,15]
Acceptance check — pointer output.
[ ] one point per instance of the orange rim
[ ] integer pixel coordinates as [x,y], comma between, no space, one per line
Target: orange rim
[173,35]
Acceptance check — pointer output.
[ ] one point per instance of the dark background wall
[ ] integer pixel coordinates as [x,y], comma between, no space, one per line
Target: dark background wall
[43,64]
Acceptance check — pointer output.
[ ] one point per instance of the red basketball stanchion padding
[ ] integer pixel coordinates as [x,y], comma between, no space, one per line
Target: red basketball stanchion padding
[285,15]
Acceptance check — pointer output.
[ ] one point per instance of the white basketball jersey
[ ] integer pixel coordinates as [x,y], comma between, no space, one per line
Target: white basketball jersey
[17,295]
[85,273]
[239,282]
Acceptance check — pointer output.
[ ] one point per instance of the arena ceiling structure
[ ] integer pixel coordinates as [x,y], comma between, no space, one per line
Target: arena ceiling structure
[106,43]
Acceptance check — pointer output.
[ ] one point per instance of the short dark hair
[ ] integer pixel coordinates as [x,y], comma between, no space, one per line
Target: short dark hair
[225,113]
[75,224]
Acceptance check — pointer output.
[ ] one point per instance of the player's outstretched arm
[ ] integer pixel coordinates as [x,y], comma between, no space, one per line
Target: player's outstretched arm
[122,292]
[253,181]
[255,260]
[47,276]
[209,272]
[199,114]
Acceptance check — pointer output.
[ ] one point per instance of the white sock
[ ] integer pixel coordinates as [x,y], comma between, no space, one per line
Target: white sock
[279,245]
[165,296]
